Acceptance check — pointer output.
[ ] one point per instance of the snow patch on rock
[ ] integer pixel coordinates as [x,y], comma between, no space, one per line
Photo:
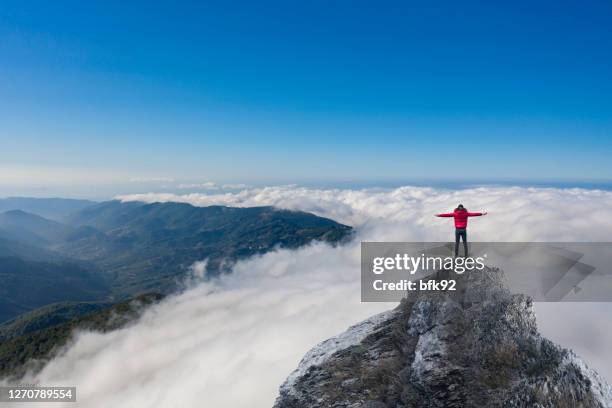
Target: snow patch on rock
[322,351]
[600,387]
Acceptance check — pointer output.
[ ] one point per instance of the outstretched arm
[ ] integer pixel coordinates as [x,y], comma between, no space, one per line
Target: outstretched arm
[445,215]
[476,214]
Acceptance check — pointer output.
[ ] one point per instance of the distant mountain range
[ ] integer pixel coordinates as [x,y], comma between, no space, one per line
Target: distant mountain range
[32,229]
[52,208]
[143,247]
[114,250]
[88,256]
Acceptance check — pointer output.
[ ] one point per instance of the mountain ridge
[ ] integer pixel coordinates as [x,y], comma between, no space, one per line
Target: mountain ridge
[135,240]
[54,208]
[31,229]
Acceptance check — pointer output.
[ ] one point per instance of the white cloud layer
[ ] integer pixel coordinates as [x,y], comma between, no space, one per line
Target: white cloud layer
[207,185]
[141,179]
[231,344]
[515,213]
[237,186]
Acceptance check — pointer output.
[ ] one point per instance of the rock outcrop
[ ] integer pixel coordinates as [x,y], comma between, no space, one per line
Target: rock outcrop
[474,347]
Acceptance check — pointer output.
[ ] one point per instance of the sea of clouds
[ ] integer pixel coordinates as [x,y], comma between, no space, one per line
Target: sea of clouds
[230,343]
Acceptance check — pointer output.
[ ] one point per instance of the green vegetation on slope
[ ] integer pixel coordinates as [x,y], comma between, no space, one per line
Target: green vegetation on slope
[145,247]
[27,285]
[32,349]
[47,316]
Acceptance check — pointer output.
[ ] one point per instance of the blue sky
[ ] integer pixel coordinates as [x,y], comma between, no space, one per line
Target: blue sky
[268,92]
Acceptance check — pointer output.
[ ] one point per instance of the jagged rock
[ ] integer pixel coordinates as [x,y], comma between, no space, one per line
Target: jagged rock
[475,347]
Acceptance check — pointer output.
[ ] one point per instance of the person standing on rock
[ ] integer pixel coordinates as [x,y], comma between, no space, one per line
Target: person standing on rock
[461,216]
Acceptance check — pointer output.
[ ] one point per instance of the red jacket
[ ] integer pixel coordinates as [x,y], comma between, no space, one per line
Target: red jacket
[461,217]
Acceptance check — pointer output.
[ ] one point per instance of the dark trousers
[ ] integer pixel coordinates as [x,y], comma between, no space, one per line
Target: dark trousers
[461,233]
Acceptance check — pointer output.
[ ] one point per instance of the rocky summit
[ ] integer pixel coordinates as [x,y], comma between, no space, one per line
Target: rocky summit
[475,347]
